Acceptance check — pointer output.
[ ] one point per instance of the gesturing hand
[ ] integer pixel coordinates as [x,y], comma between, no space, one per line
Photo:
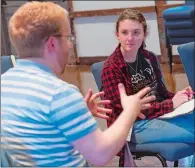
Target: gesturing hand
[96,106]
[137,102]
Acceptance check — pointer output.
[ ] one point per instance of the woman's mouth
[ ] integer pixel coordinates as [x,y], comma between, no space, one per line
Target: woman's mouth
[130,45]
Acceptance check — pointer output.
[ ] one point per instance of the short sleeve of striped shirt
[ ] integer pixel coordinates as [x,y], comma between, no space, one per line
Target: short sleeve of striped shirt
[70,113]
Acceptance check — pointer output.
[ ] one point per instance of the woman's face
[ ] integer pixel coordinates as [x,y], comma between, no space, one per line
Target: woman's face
[130,35]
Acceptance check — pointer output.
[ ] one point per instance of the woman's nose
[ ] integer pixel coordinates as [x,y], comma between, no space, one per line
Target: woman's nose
[130,37]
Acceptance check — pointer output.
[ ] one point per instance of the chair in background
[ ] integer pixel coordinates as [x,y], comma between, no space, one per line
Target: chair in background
[179,26]
[186,52]
[7,62]
[163,151]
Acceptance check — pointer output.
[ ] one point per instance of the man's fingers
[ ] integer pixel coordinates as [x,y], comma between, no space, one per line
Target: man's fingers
[104,110]
[145,106]
[103,102]
[122,90]
[103,116]
[88,95]
[143,92]
[97,95]
[148,99]
[142,116]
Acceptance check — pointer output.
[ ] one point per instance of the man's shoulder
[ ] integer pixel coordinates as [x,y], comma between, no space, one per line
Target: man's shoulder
[66,88]
[59,83]
[46,81]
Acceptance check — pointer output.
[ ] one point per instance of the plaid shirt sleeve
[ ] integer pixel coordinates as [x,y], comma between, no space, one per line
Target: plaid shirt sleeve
[159,108]
[110,79]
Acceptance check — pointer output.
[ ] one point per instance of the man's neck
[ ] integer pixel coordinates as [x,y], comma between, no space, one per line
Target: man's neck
[42,61]
[38,60]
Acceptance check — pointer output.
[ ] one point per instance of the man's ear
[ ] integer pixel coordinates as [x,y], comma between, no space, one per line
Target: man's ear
[51,43]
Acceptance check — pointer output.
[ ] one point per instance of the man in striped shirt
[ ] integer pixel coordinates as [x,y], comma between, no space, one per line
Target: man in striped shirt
[44,120]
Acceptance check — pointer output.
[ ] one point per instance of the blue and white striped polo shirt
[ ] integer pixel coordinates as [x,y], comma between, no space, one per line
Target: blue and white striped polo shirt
[40,116]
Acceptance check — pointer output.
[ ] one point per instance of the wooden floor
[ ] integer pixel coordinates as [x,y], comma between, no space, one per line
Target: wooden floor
[82,77]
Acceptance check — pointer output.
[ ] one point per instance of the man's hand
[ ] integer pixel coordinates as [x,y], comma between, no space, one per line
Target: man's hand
[95,106]
[137,101]
[146,105]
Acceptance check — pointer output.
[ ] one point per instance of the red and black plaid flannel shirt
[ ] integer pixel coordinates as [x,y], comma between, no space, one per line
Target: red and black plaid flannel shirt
[116,71]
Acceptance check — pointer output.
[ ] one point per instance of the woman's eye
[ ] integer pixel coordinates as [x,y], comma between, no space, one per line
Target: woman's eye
[136,33]
[124,32]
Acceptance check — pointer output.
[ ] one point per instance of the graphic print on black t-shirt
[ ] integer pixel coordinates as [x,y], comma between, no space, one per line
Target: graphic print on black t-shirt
[145,76]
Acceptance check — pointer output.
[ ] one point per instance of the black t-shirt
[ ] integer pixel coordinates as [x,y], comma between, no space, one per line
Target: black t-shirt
[142,75]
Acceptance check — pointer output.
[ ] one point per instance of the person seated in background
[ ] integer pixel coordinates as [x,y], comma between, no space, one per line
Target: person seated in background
[137,68]
[46,122]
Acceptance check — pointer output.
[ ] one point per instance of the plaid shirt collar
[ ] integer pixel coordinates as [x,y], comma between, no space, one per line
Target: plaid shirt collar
[117,58]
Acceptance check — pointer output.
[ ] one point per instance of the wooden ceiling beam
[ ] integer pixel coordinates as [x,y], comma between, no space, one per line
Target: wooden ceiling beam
[106,12]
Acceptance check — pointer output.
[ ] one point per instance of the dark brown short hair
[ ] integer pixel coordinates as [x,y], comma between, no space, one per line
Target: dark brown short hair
[133,14]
